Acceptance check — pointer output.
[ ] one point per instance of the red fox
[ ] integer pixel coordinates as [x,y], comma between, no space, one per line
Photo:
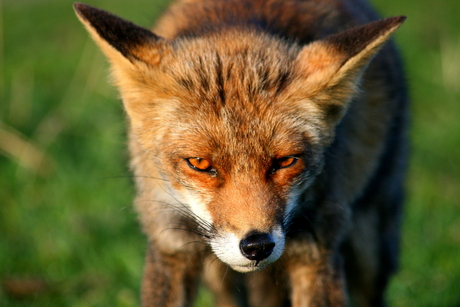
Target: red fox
[267,137]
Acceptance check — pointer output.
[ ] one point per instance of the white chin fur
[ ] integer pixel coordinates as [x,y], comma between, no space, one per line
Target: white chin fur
[227,248]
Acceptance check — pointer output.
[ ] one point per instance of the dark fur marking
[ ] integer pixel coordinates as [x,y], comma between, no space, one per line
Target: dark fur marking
[220,79]
[186,83]
[282,81]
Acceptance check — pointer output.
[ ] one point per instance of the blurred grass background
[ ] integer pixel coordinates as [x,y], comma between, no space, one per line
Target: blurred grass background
[68,234]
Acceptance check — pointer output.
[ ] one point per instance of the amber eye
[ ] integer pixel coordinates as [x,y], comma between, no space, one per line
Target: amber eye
[199,164]
[284,162]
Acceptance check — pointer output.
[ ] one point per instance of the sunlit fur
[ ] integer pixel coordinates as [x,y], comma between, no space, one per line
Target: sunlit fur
[217,97]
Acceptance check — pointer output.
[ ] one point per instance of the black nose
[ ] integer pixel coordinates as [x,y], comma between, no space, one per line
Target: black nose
[257,246]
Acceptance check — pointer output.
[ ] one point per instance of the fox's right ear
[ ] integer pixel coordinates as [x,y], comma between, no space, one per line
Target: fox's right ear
[122,41]
[333,66]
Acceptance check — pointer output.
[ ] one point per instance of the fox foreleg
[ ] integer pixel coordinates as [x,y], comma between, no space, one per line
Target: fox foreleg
[317,286]
[170,280]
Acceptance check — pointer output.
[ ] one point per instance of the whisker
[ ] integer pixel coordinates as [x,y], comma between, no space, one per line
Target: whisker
[133,176]
[188,230]
[201,252]
[188,243]
[215,258]
[201,228]
[192,223]
[224,275]
[200,220]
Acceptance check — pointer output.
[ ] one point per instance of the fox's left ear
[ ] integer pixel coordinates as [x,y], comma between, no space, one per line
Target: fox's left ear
[131,50]
[122,41]
[333,66]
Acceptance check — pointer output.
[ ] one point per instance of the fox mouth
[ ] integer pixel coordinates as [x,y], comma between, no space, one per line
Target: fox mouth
[247,266]
[251,267]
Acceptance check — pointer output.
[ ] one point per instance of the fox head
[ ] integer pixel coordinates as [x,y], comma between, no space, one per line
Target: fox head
[235,122]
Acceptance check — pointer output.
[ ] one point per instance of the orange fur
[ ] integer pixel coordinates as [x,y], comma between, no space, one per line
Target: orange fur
[264,133]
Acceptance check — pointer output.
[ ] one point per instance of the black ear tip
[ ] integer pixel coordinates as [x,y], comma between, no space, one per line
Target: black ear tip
[79,6]
[81,9]
[402,19]
[398,19]
[393,21]
[86,11]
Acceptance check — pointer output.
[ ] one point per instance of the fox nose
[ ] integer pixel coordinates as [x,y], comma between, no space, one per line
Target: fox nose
[257,246]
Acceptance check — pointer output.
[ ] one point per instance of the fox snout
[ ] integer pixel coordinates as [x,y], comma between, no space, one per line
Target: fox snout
[252,251]
[257,246]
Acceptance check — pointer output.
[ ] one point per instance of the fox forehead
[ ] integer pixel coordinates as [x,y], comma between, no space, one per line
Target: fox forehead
[226,67]
[223,88]
[236,132]
[230,135]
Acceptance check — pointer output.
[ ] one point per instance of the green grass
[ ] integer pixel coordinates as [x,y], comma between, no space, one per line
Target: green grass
[430,268]
[66,223]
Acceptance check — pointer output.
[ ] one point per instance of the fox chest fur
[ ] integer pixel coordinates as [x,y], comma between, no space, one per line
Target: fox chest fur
[266,138]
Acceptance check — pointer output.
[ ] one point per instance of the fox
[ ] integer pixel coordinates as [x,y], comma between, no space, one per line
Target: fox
[268,144]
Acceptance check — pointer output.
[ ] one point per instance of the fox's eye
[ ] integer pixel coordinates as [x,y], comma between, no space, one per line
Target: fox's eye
[199,164]
[284,162]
